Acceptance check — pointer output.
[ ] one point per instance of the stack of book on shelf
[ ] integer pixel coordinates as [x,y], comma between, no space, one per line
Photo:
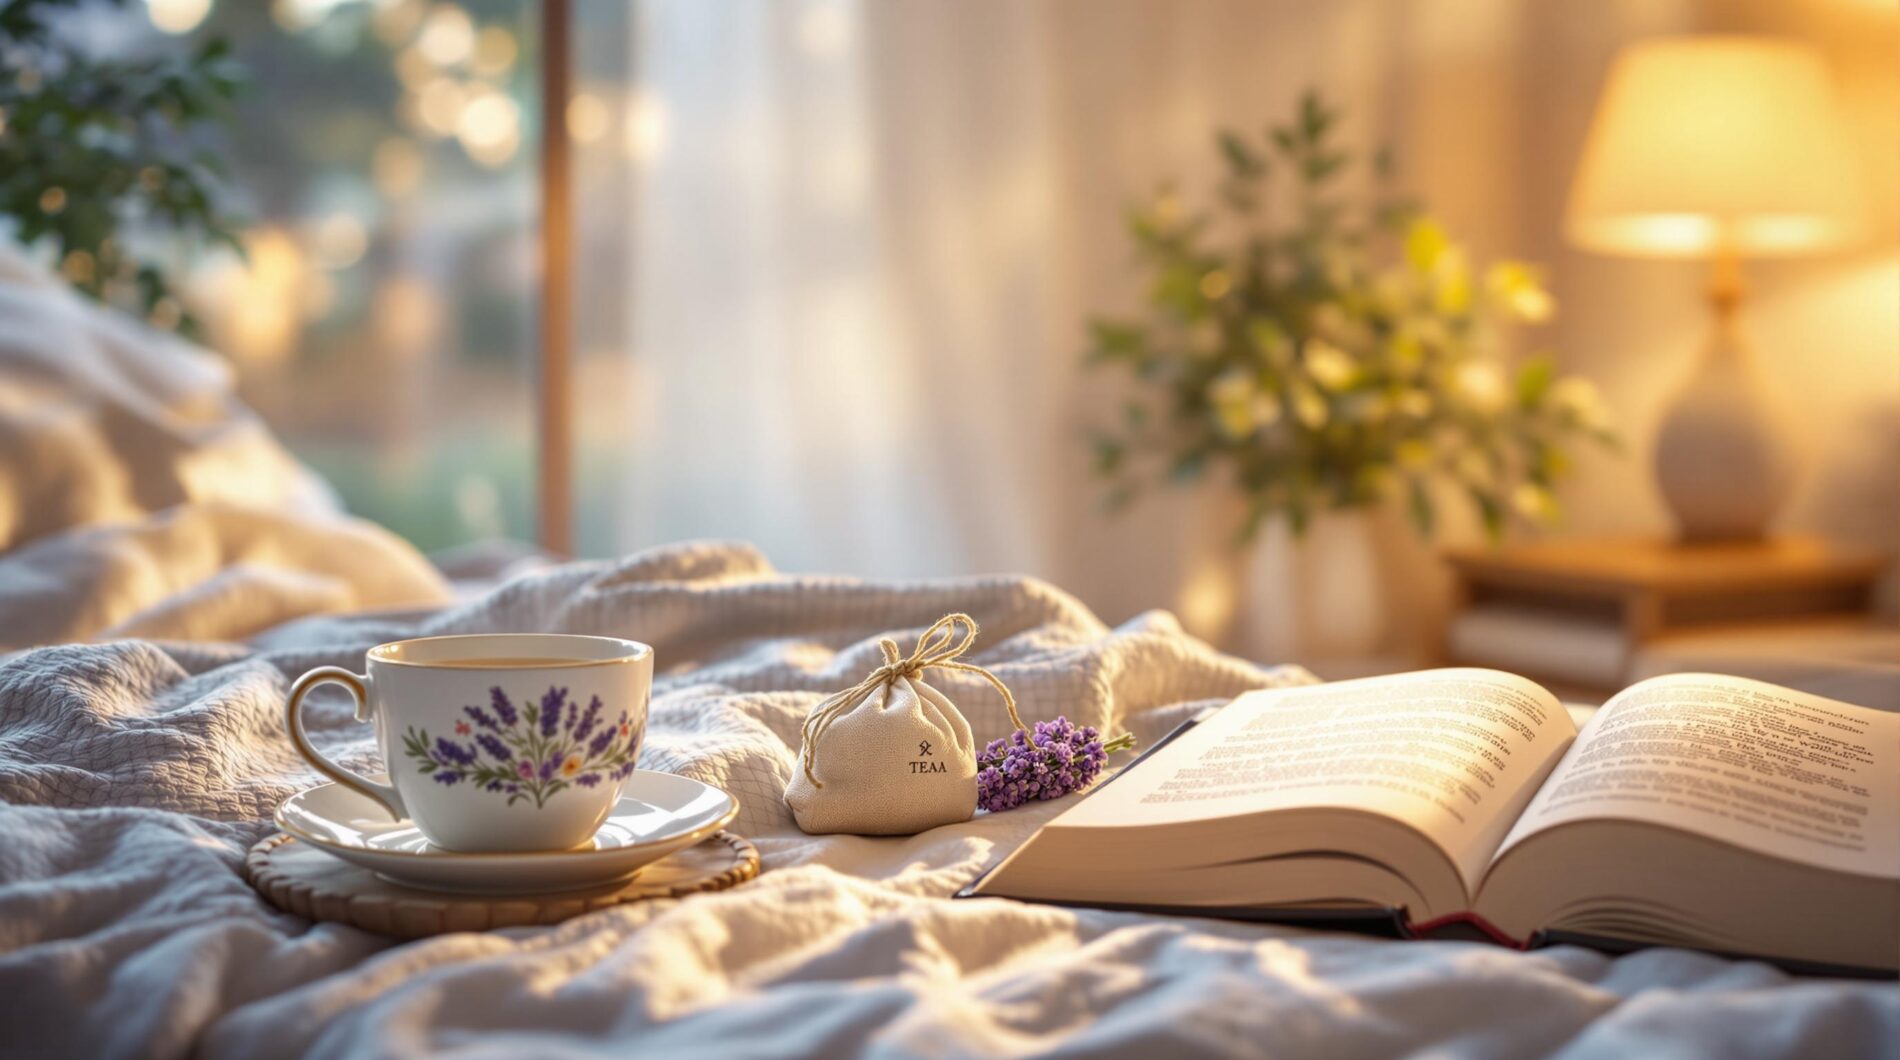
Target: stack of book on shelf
[1580,612]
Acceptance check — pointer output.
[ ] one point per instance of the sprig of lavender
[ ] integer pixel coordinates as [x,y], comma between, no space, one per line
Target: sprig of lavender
[1053,759]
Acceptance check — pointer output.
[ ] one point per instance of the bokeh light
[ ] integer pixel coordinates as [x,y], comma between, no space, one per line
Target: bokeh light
[495,52]
[646,126]
[255,304]
[413,68]
[177,16]
[396,21]
[448,35]
[408,317]
[440,105]
[588,118]
[338,241]
[489,127]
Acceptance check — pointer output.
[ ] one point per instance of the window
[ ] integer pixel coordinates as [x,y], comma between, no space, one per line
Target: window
[384,322]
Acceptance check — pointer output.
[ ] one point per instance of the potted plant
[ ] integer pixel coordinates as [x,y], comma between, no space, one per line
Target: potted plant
[1329,354]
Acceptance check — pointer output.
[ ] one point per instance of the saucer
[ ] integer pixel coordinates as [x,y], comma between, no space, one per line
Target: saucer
[657,814]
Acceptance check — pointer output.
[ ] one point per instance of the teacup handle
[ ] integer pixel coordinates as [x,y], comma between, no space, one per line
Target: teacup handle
[358,686]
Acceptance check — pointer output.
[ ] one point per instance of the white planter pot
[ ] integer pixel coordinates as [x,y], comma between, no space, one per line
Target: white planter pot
[1322,600]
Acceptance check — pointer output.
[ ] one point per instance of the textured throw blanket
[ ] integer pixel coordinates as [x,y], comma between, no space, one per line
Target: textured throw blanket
[136,773]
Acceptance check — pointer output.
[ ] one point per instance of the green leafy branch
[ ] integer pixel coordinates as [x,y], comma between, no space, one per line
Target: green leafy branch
[92,148]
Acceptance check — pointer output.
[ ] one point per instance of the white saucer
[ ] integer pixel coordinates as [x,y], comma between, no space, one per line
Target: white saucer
[657,814]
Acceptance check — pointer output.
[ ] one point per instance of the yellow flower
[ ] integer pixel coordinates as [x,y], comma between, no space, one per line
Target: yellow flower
[1451,286]
[1481,386]
[1425,243]
[1579,399]
[1534,502]
[1239,407]
[1330,366]
[571,766]
[1430,253]
[1520,290]
[1167,209]
[1308,406]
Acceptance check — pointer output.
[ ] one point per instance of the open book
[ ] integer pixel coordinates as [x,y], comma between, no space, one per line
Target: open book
[1692,810]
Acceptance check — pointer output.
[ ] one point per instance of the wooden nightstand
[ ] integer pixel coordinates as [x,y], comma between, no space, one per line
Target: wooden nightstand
[1577,611]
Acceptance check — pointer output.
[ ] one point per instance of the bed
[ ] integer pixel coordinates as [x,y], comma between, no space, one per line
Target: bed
[168,569]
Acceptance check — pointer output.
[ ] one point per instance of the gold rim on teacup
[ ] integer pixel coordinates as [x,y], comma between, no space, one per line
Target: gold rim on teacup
[633,651]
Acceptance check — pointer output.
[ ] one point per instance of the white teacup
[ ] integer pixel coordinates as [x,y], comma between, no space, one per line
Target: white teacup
[503,742]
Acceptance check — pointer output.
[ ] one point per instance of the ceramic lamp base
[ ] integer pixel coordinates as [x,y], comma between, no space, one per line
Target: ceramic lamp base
[1721,463]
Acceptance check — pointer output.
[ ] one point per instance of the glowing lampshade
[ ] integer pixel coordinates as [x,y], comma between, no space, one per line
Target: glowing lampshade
[1716,146]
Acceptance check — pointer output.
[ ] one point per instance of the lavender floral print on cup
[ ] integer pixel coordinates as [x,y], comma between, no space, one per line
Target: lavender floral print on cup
[496,743]
[532,753]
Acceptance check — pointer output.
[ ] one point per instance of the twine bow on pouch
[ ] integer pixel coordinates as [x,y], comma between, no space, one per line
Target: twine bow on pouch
[897,755]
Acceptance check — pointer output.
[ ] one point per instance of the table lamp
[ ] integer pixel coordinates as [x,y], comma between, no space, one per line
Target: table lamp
[1717,148]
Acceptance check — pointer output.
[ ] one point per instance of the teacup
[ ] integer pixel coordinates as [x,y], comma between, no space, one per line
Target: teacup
[502,742]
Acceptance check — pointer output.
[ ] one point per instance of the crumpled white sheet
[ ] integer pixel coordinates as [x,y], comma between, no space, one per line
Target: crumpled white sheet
[135,774]
[140,497]
[103,419]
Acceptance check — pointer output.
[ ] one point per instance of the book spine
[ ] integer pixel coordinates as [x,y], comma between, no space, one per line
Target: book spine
[1467,919]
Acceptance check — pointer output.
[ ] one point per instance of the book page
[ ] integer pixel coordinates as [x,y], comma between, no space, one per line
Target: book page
[1455,753]
[1774,770]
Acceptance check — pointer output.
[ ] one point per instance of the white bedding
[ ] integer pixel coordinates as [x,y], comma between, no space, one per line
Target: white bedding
[136,774]
[139,499]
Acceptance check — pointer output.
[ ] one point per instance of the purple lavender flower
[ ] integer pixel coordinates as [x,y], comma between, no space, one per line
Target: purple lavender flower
[587,720]
[599,743]
[572,745]
[1053,759]
[503,709]
[551,710]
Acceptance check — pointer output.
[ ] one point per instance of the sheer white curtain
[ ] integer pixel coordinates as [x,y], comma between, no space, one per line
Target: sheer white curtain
[869,235]
[776,404]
